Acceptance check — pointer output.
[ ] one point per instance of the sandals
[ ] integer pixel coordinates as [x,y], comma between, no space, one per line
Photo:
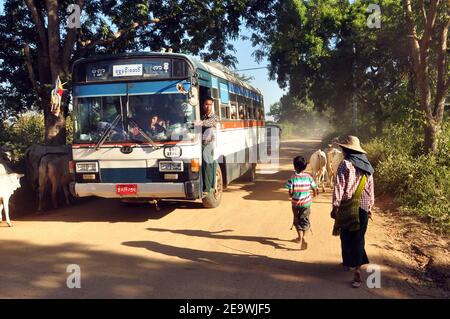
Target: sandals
[357,280]
[304,245]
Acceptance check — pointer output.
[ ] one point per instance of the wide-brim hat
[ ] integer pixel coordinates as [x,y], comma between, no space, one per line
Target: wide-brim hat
[352,142]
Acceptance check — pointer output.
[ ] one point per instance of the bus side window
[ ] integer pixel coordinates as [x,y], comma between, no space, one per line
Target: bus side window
[224,112]
[233,112]
[216,106]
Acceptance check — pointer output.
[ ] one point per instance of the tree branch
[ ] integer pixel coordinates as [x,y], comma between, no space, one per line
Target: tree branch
[414,39]
[424,13]
[442,54]
[53,38]
[429,26]
[69,43]
[419,54]
[37,18]
[29,64]
[442,84]
[118,35]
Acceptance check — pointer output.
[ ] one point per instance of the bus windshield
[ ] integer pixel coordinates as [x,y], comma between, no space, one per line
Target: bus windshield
[162,117]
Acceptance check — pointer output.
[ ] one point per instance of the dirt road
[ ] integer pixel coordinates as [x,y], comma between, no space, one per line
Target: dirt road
[242,249]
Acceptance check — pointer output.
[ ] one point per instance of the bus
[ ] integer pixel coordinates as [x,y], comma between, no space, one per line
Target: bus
[118,100]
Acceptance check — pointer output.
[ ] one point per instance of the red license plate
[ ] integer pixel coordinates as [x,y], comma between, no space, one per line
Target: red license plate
[126,189]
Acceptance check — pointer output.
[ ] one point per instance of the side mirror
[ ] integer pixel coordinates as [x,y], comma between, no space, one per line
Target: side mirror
[193,95]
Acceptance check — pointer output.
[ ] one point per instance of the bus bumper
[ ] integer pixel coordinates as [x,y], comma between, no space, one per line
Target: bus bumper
[188,190]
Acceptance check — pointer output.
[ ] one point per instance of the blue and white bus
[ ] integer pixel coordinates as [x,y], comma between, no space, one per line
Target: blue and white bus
[117,155]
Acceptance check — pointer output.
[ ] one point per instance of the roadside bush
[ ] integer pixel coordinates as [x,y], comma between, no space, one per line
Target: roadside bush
[377,151]
[420,183]
[28,129]
[288,130]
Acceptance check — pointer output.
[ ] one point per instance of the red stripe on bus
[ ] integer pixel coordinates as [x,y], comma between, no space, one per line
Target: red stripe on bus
[129,144]
[241,124]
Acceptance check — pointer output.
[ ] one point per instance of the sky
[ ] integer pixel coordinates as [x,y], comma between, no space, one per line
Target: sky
[270,90]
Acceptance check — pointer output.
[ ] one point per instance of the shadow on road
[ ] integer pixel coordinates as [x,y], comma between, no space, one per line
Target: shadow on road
[109,210]
[270,241]
[150,269]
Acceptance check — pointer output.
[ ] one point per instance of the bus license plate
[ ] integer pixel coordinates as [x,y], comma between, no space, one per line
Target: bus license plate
[126,189]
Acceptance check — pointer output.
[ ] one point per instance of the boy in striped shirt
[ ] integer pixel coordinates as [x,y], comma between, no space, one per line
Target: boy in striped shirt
[302,189]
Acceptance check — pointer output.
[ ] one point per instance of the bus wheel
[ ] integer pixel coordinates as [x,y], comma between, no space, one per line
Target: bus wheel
[250,175]
[213,199]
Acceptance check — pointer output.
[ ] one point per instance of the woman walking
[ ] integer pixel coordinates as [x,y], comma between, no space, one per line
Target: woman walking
[353,199]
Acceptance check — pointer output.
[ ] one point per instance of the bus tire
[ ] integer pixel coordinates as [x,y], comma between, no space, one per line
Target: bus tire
[213,199]
[250,175]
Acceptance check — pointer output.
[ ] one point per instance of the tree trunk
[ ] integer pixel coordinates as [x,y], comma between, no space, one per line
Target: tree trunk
[55,130]
[431,136]
[55,127]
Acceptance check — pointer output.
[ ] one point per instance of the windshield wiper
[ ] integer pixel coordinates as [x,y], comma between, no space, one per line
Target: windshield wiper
[107,132]
[141,131]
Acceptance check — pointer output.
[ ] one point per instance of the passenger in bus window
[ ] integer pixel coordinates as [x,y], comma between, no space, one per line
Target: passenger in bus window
[241,112]
[155,126]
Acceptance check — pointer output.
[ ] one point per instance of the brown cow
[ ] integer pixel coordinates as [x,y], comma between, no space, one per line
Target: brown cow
[54,169]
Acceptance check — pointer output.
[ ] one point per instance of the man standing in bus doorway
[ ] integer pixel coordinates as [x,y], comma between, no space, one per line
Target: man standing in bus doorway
[208,123]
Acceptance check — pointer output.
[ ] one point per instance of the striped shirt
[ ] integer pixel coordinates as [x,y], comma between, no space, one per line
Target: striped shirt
[346,182]
[209,127]
[300,186]
[210,120]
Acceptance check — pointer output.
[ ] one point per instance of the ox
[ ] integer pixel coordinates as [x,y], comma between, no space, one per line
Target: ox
[9,182]
[54,170]
[48,165]
[334,158]
[318,162]
[5,159]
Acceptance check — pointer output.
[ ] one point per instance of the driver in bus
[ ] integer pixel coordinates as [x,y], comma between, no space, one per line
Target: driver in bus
[155,126]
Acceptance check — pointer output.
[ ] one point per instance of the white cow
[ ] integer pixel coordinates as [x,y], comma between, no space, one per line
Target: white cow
[5,158]
[318,163]
[334,158]
[8,184]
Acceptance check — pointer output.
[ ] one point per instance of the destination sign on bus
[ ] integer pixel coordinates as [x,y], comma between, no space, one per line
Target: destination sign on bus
[127,70]
[114,70]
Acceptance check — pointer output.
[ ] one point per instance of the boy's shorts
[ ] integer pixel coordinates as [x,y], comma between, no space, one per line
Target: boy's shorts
[301,217]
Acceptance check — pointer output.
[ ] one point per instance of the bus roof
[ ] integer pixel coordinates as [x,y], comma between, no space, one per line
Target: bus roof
[214,68]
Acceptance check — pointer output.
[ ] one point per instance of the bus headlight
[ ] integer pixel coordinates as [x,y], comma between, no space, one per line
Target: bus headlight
[86,167]
[166,166]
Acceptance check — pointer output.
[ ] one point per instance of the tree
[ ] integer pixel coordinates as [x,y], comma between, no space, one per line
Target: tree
[36,46]
[428,25]
[324,50]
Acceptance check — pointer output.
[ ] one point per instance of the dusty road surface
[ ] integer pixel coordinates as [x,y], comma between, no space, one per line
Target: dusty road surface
[242,249]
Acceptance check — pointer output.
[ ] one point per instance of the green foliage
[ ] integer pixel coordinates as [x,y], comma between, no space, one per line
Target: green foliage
[69,129]
[323,51]
[420,183]
[26,130]
[288,130]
